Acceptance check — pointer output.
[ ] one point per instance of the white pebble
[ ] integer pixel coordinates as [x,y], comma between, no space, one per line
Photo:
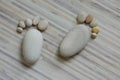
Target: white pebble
[21,24]
[19,29]
[75,41]
[32,45]
[36,20]
[81,17]
[93,35]
[42,25]
[28,22]
[93,23]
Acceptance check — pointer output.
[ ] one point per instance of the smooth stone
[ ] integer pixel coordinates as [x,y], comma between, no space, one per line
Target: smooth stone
[19,30]
[21,24]
[43,25]
[93,23]
[89,18]
[36,20]
[75,41]
[32,45]
[81,17]
[93,35]
[95,30]
[28,22]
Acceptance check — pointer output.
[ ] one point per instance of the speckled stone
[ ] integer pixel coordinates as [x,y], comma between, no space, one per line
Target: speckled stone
[43,25]
[93,23]
[21,24]
[81,17]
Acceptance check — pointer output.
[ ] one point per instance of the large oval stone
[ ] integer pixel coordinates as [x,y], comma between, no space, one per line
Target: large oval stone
[75,41]
[31,48]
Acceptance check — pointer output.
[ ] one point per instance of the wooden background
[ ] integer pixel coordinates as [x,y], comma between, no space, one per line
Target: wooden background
[100,60]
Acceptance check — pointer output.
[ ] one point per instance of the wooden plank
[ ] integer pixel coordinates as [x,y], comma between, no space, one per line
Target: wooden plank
[98,61]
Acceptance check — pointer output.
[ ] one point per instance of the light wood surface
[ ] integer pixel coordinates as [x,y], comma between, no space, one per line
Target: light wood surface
[100,60]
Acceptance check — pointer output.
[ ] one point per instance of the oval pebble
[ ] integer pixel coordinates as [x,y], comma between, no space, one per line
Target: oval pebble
[93,23]
[31,47]
[89,18]
[93,35]
[21,24]
[28,22]
[75,41]
[95,30]
[36,20]
[81,17]
[19,30]
[42,25]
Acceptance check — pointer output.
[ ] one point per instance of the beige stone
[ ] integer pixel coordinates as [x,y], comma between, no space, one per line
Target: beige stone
[95,30]
[21,24]
[43,25]
[81,17]
[93,23]
[19,29]
[93,35]
[36,20]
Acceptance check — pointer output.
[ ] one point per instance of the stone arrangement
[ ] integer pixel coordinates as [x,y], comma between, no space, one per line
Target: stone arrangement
[75,40]
[33,40]
[79,36]
[89,19]
[40,24]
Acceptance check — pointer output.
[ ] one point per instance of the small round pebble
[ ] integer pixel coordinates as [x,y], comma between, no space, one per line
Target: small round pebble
[21,24]
[19,29]
[81,17]
[43,25]
[93,23]
[28,22]
[89,18]
[93,35]
[36,20]
[95,30]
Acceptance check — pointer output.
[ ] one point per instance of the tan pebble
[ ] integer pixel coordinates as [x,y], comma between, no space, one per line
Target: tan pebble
[93,23]
[28,22]
[19,29]
[89,18]
[93,35]
[36,20]
[81,17]
[21,24]
[95,30]
[42,25]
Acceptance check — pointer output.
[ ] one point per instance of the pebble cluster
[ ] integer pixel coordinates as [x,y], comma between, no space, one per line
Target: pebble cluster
[89,19]
[40,24]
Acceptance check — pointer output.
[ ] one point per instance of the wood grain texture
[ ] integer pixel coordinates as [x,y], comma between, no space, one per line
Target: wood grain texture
[98,61]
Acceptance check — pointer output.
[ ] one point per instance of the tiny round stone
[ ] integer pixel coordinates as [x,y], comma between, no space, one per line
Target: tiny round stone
[28,22]
[89,18]
[43,25]
[93,23]
[19,29]
[93,35]
[95,30]
[36,20]
[81,17]
[21,24]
